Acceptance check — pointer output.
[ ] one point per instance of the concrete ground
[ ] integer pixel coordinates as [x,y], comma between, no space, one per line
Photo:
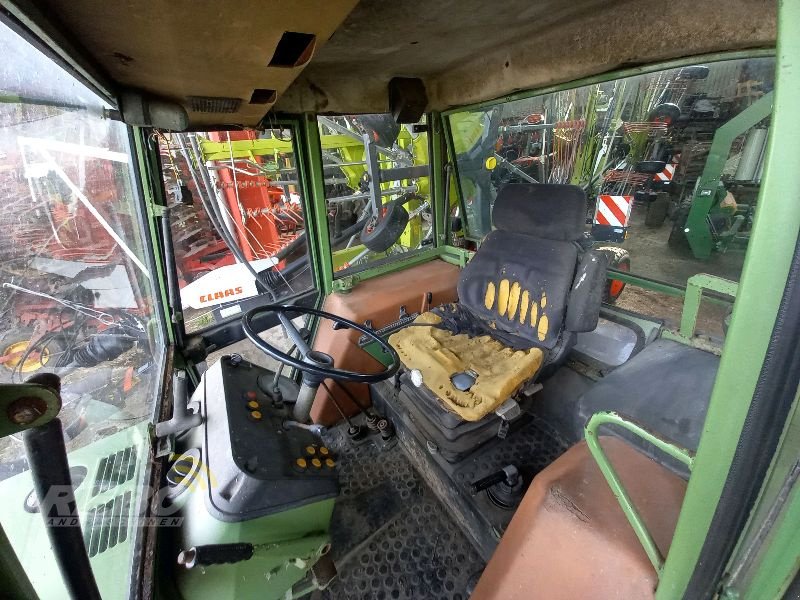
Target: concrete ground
[249,352]
[652,257]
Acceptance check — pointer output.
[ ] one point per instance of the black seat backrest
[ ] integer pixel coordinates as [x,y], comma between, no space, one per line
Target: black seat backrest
[519,281]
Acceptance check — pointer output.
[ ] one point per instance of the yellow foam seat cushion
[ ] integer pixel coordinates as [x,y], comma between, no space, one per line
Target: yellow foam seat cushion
[438,354]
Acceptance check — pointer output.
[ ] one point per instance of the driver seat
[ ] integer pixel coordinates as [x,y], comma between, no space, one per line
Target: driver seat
[529,288]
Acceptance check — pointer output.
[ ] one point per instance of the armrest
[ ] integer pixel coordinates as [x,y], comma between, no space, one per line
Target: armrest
[586,294]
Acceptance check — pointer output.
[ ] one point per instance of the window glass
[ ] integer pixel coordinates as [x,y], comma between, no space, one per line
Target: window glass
[671,162]
[77,296]
[377,189]
[248,179]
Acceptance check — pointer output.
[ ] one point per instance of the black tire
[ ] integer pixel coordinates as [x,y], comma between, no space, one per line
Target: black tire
[381,236]
[678,242]
[657,211]
[17,340]
[383,129]
[619,259]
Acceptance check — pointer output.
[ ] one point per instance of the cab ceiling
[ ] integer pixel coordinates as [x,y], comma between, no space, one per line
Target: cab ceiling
[465,50]
[180,49]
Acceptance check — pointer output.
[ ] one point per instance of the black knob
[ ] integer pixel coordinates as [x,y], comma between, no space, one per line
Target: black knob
[488,481]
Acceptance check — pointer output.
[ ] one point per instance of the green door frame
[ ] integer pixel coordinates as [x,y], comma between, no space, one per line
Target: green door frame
[762,284]
[312,178]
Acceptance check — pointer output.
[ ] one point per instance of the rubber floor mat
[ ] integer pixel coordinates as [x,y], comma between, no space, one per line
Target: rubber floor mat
[390,536]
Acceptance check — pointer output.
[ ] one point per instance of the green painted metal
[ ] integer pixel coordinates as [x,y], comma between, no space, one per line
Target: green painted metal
[763,279]
[615,483]
[45,405]
[155,204]
[662,287]
[346,283]
[15,581]
[286,544]
[27,401]
[698,232]
[456,256]
[449,254]
[28,536]
[266,147]
[375,351]
[312,179]
[694,295]
[646,283]
[617,74]
[439,207]
[768,553]
[779,564]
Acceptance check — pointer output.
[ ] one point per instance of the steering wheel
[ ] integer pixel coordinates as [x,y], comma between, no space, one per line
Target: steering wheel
[312,362]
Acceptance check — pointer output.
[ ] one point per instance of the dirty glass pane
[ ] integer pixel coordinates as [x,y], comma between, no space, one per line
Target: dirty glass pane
[377,187]
[249,180]
[76,293]
[671,163]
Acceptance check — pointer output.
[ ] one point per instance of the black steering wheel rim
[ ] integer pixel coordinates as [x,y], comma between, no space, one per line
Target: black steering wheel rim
[319,371]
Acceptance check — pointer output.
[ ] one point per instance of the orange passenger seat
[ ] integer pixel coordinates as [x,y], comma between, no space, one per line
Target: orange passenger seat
[570,540]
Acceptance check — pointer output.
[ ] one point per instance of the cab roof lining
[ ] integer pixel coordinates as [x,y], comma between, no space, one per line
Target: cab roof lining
[464,50]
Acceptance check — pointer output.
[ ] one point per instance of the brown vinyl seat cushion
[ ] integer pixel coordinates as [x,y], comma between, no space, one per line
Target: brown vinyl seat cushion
[569,539]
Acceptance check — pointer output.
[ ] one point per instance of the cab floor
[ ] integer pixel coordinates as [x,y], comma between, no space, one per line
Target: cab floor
[390,535]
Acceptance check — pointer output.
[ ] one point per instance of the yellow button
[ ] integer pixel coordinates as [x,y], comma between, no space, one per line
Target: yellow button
[301,462]
[310,450]
[324,451]
[330,463]
[316,462]
[252,404]
[256,414]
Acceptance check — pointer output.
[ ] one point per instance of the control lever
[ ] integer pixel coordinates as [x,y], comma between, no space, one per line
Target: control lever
[503,487]
[215,554]
[492,479]
[318,430]
[182,418]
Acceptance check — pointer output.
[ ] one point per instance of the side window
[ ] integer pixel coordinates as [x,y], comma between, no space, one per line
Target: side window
[76,291]
[78,299]
[671,163]
[249,180]
[377,187]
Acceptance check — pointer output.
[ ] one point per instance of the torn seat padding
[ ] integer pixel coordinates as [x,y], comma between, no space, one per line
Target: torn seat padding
[438,354]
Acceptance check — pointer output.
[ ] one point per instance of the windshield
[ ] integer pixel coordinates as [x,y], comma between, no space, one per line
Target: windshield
[76,291]
[377,189]
[246,181]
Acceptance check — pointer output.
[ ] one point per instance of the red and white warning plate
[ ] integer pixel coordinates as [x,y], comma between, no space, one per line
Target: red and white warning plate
[613,210]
